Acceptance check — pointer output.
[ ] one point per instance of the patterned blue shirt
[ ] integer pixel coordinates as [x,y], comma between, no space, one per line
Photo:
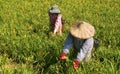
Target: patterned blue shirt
[83,46]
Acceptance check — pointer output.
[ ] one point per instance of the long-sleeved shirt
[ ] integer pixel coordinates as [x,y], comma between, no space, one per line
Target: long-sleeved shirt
[58,23]
[55,21]
[83,46]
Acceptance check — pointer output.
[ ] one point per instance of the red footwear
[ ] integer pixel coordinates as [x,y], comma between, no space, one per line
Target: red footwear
[63,56]
[75,64]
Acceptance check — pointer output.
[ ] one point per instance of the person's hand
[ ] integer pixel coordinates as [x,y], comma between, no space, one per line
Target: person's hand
[52,34]
[63,56]
[76,64]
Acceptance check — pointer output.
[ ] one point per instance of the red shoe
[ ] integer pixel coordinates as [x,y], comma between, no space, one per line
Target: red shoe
[75,64]
[63,56]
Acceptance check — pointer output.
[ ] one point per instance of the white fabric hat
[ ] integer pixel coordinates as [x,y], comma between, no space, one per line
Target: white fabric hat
[82,30]
[54,9]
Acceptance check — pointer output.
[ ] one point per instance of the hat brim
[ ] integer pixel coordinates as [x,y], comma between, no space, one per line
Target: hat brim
[83,31]
[55,11]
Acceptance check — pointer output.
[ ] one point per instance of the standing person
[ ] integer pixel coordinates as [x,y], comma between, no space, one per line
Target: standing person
[81,39]
[56,22]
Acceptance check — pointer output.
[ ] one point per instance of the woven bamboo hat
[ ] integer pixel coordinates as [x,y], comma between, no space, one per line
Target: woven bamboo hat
[82,30]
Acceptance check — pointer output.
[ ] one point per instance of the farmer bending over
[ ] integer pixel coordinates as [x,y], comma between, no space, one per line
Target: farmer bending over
[56,22]
[81,39]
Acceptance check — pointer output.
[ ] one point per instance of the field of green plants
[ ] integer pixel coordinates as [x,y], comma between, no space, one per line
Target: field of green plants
[27,47]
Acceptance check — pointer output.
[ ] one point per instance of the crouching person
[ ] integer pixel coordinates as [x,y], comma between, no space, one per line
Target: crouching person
[81,39]
[56,21]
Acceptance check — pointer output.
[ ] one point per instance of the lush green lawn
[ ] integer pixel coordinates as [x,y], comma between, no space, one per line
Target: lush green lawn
[27,47]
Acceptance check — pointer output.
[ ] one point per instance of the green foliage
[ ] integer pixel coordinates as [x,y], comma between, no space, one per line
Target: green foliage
[25,40]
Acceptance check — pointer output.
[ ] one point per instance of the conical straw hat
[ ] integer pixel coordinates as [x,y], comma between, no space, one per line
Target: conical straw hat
[82,30]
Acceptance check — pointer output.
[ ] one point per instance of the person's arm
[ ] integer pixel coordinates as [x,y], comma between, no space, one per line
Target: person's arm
[87,46]
[68,43]
[58,23]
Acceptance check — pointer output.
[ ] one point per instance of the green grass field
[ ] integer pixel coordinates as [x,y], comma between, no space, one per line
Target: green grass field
[27,47]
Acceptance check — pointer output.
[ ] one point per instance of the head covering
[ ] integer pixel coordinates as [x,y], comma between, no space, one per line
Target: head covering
[54,9]
[82,30]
